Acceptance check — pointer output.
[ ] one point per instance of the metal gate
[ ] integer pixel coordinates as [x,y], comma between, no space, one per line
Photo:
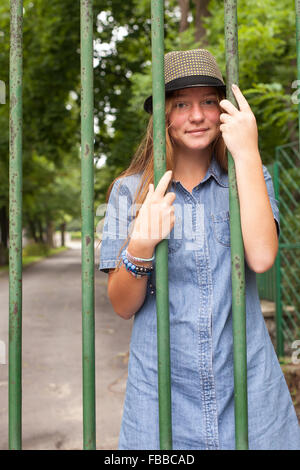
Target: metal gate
[15,225]
[289,296]
[287,266]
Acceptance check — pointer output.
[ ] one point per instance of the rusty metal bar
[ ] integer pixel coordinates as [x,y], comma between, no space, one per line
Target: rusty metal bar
[161,251]
[87,215]
[15,226]
[297,10]
[237,248]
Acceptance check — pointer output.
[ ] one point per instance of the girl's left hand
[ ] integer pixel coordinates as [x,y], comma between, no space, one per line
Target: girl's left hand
[238,127]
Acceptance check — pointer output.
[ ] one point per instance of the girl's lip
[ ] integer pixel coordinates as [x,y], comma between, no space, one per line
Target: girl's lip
[194,131]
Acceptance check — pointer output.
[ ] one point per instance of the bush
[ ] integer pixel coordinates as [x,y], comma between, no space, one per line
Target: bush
[36,249]
[75,235]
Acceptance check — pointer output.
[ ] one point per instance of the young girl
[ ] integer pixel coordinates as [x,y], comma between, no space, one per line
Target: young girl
[200,125]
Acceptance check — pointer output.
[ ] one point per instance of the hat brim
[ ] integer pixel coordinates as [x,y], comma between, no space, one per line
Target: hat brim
[187,82]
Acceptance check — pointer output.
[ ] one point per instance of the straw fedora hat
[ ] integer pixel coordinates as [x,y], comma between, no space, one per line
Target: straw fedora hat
[185,69]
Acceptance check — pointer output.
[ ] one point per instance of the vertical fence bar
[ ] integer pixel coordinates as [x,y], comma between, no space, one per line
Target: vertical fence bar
[15,226]
[87,215]
[237,249]
[280,344]
[161,252]
[279,332]
[297,8]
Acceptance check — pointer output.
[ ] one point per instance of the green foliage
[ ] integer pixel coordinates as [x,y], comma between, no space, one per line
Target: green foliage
[122,80]
[267,64]
[75,235]
[51,116]
[36,249]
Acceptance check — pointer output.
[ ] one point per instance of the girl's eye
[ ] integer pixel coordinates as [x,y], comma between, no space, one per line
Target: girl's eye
[180,105]
[209,103]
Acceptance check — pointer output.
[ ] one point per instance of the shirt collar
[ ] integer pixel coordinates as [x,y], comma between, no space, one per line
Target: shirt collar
[215,171]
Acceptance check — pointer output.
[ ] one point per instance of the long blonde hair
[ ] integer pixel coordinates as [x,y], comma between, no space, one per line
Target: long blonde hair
[143,160]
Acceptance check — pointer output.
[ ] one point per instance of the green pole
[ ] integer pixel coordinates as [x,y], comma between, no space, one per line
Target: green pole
[87,215]
[161,252]
[237,248]
[15,226]
[297,8]
[279,332]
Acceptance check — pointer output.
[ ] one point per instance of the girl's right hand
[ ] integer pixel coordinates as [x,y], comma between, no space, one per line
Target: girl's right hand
[157,215]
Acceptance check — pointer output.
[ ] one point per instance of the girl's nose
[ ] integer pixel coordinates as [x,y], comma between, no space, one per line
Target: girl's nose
[196,113]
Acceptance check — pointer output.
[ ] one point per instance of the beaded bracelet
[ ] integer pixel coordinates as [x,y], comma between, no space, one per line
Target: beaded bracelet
[138,259]
[137,271]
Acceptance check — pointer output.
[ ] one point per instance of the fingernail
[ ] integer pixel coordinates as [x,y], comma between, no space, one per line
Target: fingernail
[234,85]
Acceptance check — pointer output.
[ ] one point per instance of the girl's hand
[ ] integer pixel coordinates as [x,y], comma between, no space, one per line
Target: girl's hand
[238,127]
[156,217]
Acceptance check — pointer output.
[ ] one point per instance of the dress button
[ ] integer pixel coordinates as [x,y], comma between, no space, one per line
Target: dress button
[151,288]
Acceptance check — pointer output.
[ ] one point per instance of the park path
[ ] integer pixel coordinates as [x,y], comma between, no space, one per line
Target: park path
[52,401]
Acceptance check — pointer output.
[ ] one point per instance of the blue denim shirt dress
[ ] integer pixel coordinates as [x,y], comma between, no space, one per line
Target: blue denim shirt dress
[200,299]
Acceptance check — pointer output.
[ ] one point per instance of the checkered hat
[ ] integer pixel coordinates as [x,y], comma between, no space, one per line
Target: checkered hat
[185,69]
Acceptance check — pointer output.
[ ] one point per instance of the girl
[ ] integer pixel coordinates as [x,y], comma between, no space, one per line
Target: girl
[200,125]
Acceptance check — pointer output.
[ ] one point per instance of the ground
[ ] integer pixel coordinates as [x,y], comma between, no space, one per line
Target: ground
[52,401]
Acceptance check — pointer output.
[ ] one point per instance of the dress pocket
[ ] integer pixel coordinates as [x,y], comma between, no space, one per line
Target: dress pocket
[221,227]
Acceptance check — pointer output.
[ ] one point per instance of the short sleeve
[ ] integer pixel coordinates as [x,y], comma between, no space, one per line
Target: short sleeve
[273,201]
[116,225]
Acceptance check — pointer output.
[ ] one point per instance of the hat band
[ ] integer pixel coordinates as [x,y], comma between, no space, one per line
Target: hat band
[193,80]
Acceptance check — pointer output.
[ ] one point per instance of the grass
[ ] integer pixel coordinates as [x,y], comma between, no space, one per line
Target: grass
[27,259]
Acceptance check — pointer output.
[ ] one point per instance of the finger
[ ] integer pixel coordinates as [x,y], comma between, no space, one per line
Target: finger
[163,183]
[150,192]
[241,100]
[228,107]
[224,117]
[170,198]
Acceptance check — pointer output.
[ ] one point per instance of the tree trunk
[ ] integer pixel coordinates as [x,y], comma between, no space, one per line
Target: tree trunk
[41,232]
[50,233]
[3,227]
[201,12]
[184,6]
[32,229]
[63,228]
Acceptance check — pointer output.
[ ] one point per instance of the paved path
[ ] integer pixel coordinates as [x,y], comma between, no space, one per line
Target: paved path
[52,402]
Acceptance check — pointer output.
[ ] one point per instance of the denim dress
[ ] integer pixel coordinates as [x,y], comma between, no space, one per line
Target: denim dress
[200,306]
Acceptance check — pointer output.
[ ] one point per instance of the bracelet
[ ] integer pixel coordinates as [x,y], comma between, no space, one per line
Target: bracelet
[137,271]
[139,259]
[135,263]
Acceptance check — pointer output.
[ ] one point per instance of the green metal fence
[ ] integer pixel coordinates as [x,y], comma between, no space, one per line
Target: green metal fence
[87,166]
[266,284]
[15,226]
[287,189]
[286,170]
[237,250]
[281,284]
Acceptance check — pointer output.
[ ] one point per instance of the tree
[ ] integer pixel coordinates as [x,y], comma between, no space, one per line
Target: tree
[51,119]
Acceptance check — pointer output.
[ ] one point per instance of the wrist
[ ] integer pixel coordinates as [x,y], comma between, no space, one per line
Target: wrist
[246,157]
[140,249]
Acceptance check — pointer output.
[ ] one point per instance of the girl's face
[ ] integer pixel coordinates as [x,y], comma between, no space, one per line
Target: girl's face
[194,119]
